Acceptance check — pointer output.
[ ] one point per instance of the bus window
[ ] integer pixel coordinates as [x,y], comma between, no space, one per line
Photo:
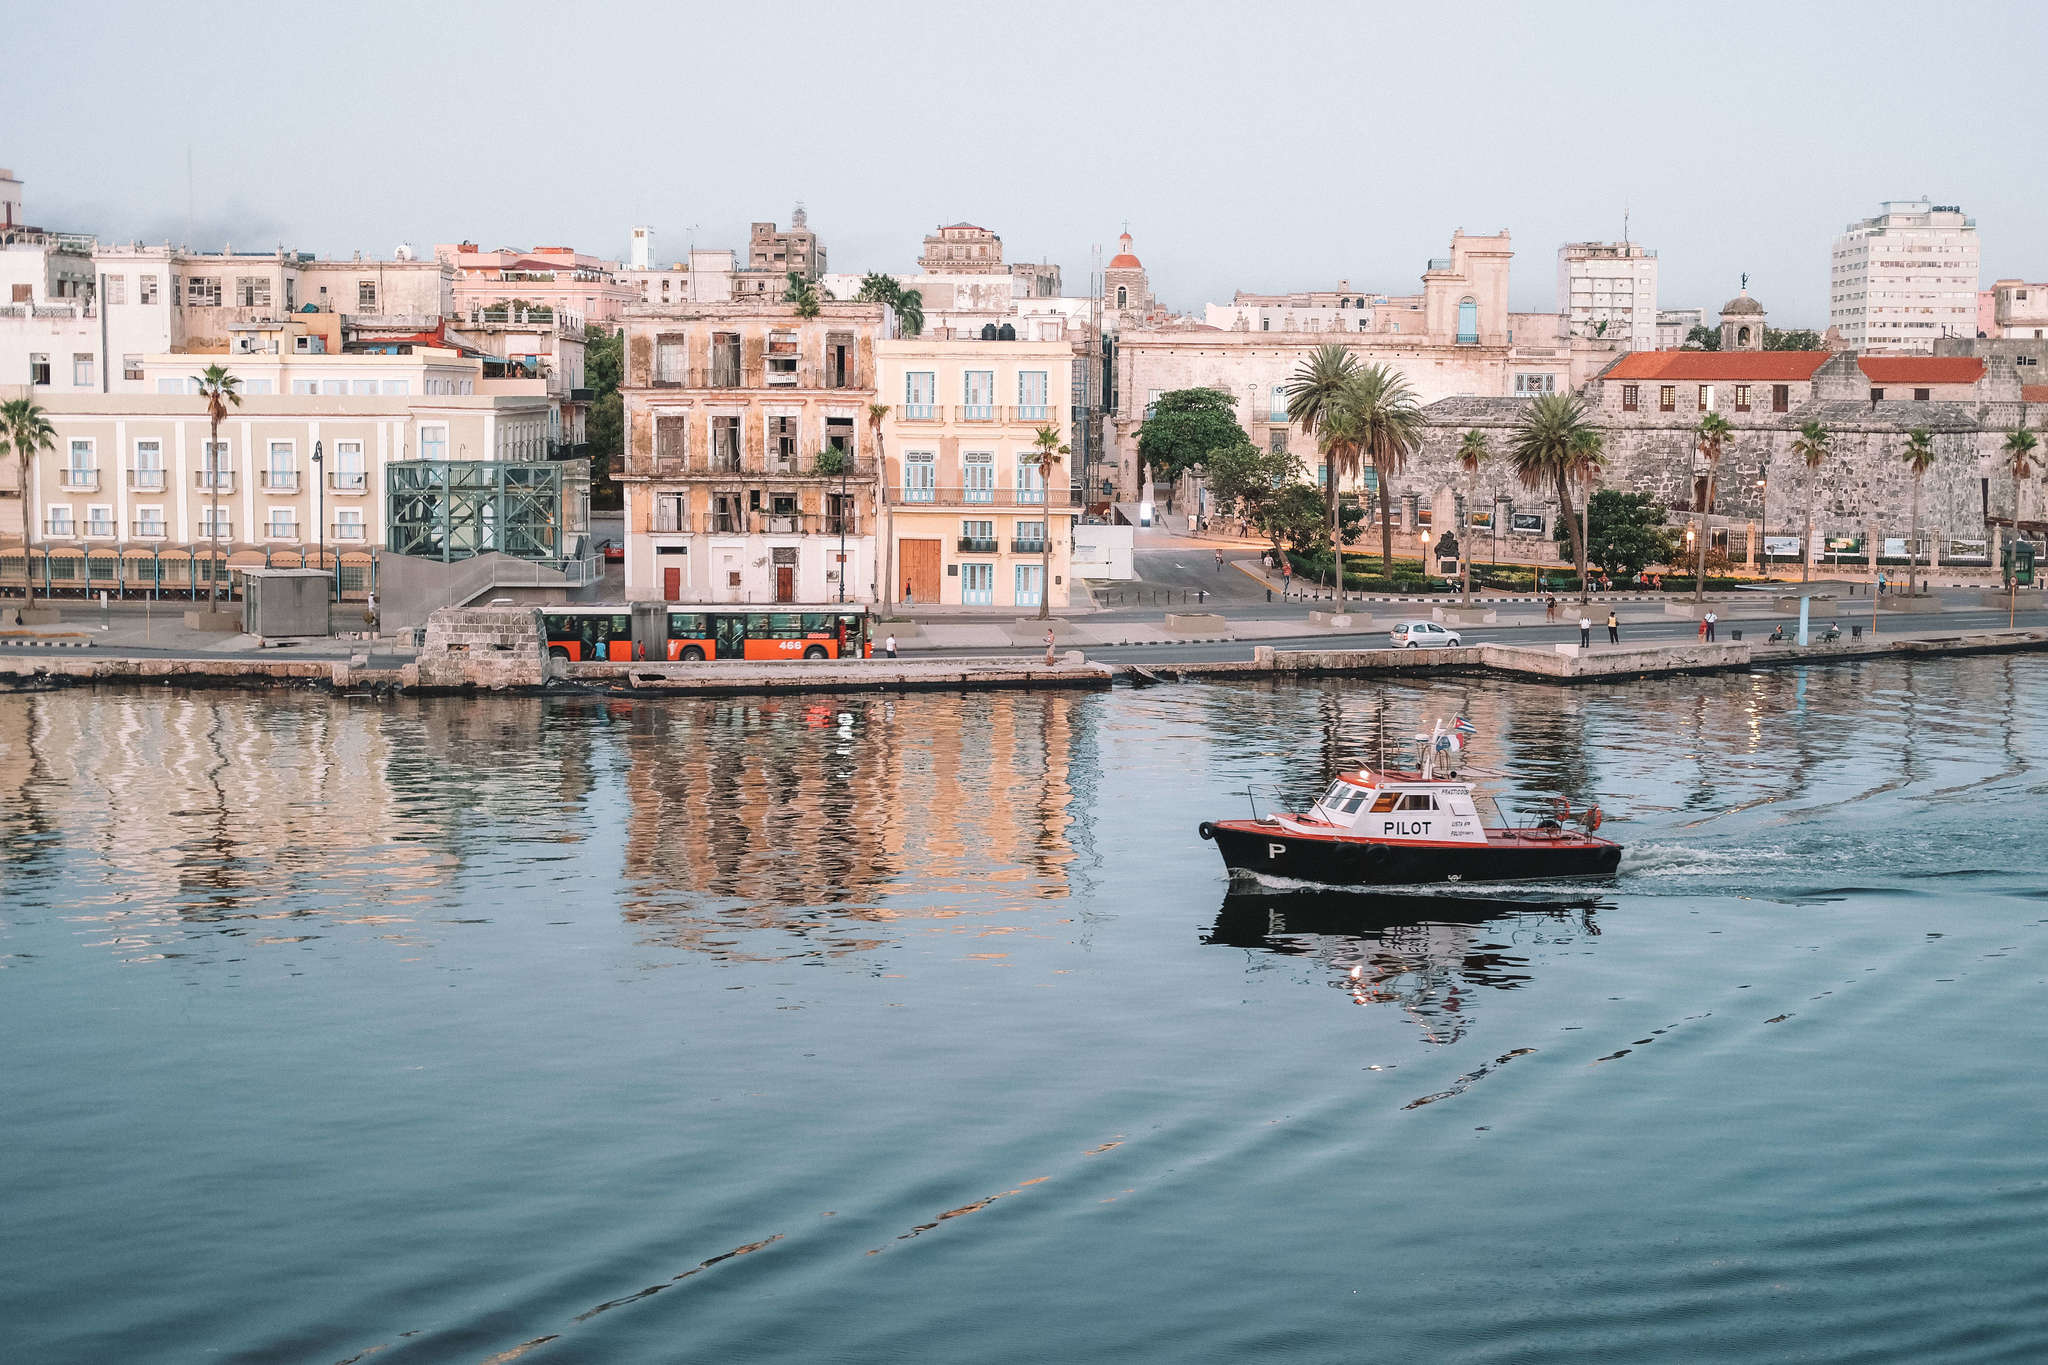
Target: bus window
[817,623]
[785,625]
[687,625]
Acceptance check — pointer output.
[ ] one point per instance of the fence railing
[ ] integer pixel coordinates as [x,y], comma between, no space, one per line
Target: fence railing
[982,497]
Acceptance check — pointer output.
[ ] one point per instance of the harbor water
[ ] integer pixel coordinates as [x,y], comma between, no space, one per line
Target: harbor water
[926,1028]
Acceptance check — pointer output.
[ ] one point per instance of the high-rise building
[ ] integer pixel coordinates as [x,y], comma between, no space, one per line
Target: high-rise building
[643,248]
[1609,289]
[1901,280]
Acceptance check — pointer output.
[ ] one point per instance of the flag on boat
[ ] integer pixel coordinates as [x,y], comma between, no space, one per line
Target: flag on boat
[1464,727]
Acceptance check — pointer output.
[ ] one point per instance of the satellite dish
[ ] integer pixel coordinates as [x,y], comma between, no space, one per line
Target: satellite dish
[402,252]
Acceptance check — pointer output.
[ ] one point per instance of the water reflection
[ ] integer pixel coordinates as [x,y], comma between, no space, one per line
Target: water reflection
[1428,956]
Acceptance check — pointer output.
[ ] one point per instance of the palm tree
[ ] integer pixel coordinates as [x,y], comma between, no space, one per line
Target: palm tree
[803,294]
[1589,452]
[1712,433]
[1554,444]
[2019,450]
[877,414]
[1919,456]
[908,303]
[1047,439]
[1472,451]
[1812,447]
[25,428]
[1313,394]
[910,311]
[1340,439]
[1389,430]
[218,388]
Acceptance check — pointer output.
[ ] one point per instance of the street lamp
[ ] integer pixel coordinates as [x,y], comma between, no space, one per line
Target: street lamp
[320,515]
[1763,493]
[844,460]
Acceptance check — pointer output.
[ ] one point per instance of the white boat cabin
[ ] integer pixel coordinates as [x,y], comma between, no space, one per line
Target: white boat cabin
[1388,808]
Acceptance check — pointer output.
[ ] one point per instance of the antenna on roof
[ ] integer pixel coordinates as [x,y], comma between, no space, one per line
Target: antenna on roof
[1624,222]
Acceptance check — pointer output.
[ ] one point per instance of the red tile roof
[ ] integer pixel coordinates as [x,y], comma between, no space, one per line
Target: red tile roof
[1922,369]
[2034,393]
[1756,367]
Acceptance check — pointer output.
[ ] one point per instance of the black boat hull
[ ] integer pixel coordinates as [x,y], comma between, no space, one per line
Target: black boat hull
[1273,852]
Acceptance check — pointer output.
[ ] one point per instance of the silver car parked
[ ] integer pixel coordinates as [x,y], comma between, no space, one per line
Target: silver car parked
[1422,635]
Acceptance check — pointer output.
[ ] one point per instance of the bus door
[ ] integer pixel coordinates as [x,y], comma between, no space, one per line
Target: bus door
[853,641]
[608,637]
[731,635]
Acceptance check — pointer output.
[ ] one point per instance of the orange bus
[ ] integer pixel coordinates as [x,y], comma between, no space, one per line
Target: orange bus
[661,630]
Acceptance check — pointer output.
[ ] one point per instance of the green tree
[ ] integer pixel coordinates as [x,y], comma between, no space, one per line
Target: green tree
[1703,338]
[1811,445]
[219,389]
[1795,339]
[26,430]
[1712,435]
[803,294]
[604,428]
[1300,516]
[1045,454]
[1472,452]
[1247,479]
[1919,456]
[908,303]
[1389,431]
[1624,532]
[1314,399]
[1185,428]
[2019,451]
[1553,445]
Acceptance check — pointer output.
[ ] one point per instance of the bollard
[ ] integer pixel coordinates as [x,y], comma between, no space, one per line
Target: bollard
[1269,594]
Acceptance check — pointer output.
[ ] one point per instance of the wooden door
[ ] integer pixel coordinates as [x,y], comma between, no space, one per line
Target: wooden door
[785,583]
[921,568]
[672,585]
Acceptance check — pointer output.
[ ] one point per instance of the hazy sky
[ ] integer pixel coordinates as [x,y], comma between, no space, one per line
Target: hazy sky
[1261,147]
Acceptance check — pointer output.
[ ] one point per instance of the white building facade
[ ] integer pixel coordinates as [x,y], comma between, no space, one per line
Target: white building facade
[1905,278]
[1609,290]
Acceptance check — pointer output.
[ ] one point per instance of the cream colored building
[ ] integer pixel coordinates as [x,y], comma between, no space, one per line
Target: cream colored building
[1904,279]
[1609,289]
[967,512]
[135,469]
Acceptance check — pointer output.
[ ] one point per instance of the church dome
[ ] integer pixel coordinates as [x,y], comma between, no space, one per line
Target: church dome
[1741,304]
[1124,260]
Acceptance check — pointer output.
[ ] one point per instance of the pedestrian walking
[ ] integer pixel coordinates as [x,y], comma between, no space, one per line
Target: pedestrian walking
[1709,624]
[1703,629]
[1286,576]
[1880,582]
[1613,627]
[1550,612]
[889,647]
[1219,561]
[1585,632]
[1048,647]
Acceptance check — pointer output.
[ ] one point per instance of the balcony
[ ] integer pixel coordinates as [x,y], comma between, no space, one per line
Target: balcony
[976,412]
[99,528]
[64,529]
[281,480]
[984,497]
[847,523]
[146,530]
[346,530]
[81,480]
[782,524]
[146,480]
[1027,547]
[214,480]
[348,481]
[224,529]
[1033,412]
[280,530]
[918,412]
[668,521]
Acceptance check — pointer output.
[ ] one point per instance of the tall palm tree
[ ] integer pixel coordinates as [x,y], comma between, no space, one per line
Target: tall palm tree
[1389,431]
[26,429]
[1340,437]
[1712,433]
[803,294]
[1811,446]
[1549,449]
[1046,458]
[909,305]
[219,389]
[2019,450]
[1472,451]
[1919,455]
[877,414]
[1589,452]
[1314,392]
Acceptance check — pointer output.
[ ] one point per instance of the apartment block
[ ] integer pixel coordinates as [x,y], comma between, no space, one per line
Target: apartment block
[1905,278]
[970,515]
[750,472]
[1609,289]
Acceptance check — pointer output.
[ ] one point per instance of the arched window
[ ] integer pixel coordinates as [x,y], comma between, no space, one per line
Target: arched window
[1123,297]
[1742,336]
[1468,320]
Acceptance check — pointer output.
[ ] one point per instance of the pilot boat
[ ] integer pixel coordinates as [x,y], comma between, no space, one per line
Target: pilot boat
[1393,827]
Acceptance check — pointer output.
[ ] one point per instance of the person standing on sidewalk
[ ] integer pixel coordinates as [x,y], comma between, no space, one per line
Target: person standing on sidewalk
[1708,622]
[1585,632]
[889,647]
[1048,647]
[1219,561]
[1613,627]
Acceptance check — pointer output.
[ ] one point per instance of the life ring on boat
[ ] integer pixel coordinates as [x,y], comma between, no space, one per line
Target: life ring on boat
[1206,830]
[1593,818]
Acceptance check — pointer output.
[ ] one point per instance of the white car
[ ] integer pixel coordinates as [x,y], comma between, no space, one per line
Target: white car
[1423,635]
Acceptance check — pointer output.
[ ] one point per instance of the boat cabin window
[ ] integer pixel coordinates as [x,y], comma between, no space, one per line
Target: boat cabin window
[1417,801]
[1343,798]
[1384,802]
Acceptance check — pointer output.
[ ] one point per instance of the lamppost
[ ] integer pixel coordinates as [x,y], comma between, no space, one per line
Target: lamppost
[1763,493]
[844,459]
[320,515]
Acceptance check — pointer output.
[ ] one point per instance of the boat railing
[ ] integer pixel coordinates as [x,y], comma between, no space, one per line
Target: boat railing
[1254,790]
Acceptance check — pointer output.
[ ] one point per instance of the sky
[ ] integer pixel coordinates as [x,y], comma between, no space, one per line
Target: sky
[1257,147]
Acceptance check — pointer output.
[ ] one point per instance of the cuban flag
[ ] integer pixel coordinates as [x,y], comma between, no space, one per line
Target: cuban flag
[1464,727]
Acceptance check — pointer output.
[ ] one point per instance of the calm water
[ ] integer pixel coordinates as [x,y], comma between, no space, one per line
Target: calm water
[876,1030]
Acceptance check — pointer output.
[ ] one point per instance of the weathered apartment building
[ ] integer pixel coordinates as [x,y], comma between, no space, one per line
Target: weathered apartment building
[750,472]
